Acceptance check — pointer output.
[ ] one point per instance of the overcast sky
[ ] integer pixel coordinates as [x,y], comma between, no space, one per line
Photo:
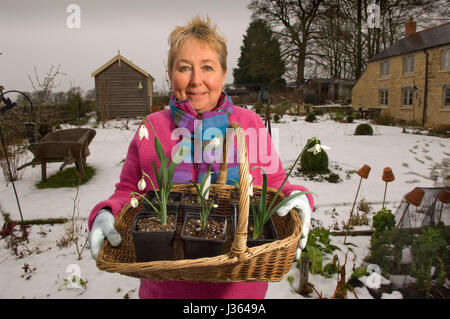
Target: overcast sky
[34,33]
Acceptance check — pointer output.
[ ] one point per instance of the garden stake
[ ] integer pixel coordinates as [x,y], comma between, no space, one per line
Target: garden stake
[304,271]
[363,172]
[388,176]
[413,197]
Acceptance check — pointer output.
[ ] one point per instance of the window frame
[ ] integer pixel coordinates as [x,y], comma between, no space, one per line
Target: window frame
[446,97]
[384,63]
[383,97]
[409,97]
[445,53]
[407,66]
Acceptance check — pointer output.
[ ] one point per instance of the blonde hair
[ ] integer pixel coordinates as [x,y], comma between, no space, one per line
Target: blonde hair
[202,30]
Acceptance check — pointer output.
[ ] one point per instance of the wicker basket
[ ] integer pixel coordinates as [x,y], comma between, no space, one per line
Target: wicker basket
[268,262]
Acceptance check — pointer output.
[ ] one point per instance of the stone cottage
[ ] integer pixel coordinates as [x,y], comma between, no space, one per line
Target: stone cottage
[410,80]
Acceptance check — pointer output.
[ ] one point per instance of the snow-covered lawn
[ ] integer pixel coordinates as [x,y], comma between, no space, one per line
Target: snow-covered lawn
[414,159]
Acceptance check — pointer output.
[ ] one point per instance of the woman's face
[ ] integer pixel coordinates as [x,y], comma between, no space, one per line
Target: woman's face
[197,75]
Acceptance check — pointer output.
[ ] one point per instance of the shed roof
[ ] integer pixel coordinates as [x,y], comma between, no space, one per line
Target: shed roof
[424,39]
[119,57]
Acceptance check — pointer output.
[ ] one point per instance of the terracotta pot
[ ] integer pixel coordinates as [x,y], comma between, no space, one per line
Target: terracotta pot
[364,171]
[444,195]
[415,196]
[388,176]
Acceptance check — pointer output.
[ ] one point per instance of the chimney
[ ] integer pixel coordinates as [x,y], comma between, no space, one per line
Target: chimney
[410,27]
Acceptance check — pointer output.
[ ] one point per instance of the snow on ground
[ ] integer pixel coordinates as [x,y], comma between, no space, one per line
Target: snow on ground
[414,159]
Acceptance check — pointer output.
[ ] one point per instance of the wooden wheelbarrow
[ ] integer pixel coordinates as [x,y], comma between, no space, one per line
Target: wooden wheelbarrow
[67,146]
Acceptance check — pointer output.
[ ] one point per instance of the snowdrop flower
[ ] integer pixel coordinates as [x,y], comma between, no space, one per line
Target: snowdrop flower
[143,132]
[316,149]
[134,202]
[142,184]
[215,142]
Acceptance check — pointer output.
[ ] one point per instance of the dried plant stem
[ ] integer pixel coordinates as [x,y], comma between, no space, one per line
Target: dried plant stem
[76,230]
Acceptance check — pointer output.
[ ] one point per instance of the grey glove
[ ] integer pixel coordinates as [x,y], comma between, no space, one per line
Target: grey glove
[102,227]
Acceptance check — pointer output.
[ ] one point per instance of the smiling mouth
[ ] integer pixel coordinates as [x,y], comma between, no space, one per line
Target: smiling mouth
[196,94]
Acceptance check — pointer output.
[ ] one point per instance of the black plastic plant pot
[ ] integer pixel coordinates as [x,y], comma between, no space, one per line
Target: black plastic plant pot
[174,201]
[196,247]
[196,208]
[267,235]
[153,245]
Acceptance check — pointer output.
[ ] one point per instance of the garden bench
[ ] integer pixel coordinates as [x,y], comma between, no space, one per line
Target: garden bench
[67,146]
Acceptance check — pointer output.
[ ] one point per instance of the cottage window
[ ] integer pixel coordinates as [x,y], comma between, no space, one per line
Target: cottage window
[446,59]
[447,96]
[408,65]
[384,93]
[407,96]
[384,69]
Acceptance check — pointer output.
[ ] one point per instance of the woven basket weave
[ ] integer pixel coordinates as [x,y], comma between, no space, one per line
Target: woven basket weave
[268,262]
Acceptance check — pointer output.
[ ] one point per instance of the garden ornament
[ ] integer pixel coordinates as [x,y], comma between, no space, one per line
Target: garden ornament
[387,177]
[102,227]
[301,204]
[363,172]
[413,197]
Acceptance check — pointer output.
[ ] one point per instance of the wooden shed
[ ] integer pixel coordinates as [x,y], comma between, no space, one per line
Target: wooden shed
[122,89]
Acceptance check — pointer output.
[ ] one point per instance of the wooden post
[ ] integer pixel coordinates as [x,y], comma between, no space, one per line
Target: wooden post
[351,212]
[44,171]
[304,271]
[384,197]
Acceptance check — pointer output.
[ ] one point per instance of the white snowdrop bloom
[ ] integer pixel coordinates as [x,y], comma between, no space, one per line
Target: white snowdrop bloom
[142,184]
[143,132]
[316,149]
[215,142]
[134,202]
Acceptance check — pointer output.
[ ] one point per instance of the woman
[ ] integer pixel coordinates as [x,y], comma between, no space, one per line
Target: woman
[197,71]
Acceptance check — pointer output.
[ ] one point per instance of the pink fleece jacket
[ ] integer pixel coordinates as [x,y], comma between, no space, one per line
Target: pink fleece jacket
[140,156]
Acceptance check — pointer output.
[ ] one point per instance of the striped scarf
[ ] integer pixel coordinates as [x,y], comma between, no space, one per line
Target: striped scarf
[213,124]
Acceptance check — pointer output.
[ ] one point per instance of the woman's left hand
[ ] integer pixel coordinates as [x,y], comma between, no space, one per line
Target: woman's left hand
[301,204]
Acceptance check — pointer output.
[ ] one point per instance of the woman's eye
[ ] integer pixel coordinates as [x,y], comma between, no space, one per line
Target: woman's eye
[183,68]
[208,67]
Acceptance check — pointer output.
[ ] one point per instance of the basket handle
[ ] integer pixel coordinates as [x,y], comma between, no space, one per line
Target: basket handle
[239,245]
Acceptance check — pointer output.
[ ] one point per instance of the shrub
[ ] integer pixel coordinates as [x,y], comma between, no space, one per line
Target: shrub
[276,118]
[313,163]
[337,116]
[385,119]
[349,119]
[428,250]
[383,220]
[364,129]
[311,117]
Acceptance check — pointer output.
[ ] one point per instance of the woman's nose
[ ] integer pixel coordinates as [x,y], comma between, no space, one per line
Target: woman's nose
[196,78]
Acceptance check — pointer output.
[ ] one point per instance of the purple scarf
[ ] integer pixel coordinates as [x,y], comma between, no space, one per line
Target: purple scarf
[198,133]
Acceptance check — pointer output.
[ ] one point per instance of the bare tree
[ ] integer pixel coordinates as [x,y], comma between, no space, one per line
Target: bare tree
[44,107]
[292,23]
